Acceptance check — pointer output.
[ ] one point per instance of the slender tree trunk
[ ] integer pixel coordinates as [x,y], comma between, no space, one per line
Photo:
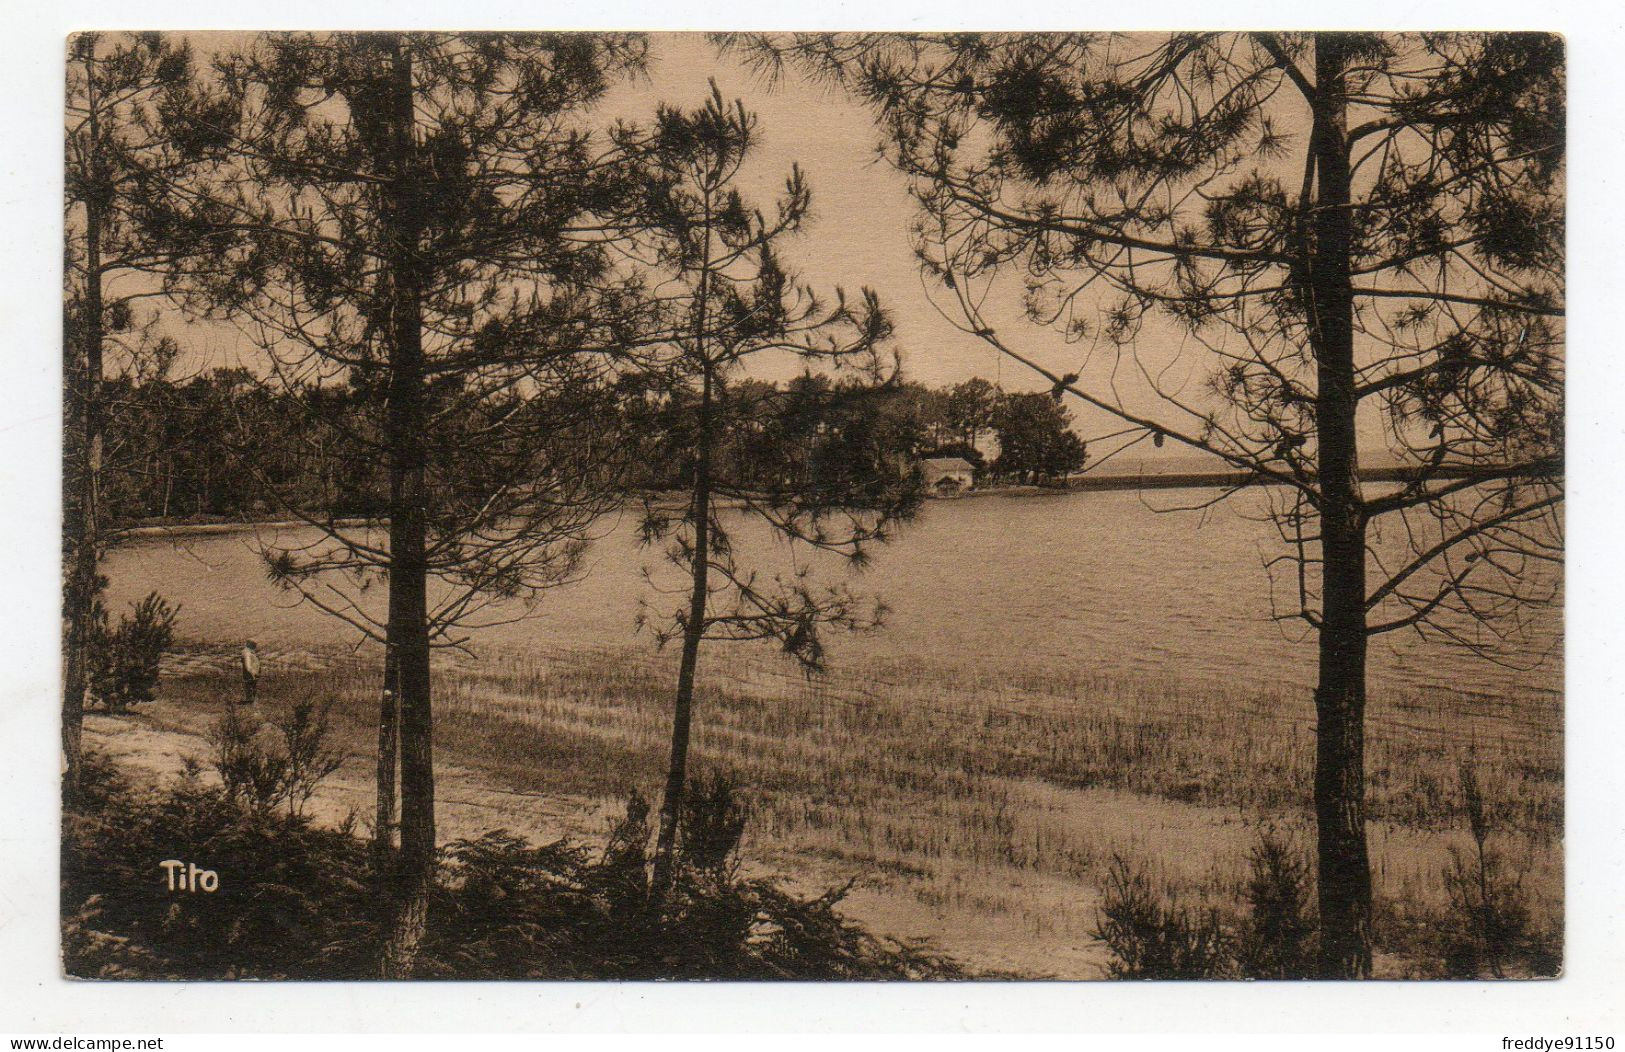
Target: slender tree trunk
[82,502]
[671,806]
[408,629]
[389,741]
[1343,861]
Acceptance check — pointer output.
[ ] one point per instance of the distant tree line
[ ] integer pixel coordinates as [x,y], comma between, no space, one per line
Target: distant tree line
[212,445]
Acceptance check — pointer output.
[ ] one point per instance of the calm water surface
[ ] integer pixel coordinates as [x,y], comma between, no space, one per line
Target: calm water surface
[1091,580]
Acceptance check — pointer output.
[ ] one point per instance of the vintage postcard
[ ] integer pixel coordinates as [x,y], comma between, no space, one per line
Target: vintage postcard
[821,507]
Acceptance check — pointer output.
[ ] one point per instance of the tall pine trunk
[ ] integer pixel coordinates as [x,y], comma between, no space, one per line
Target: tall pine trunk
[1344,867]
[408,626]
[389,744]
[81,503]
[671,807]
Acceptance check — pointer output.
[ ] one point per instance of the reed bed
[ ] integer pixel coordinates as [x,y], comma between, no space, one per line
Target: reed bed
[966,788]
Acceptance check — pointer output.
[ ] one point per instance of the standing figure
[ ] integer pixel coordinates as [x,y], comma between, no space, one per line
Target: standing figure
[251,671]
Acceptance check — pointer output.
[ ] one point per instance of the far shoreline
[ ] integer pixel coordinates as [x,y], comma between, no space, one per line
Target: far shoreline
[1080,483]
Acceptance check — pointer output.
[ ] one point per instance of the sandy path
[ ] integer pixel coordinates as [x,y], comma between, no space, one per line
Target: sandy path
[158,740]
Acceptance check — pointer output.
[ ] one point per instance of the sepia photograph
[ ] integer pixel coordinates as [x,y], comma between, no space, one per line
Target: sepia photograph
[812,506]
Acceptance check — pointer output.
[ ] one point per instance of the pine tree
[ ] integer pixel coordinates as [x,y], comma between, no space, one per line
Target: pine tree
[729,299]
[139,128]
[1359,229]
[419,219]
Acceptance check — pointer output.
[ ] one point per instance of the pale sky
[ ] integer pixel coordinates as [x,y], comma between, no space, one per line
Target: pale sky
[861,210]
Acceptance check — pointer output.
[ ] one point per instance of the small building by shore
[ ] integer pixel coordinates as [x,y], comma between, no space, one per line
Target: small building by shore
[947,476]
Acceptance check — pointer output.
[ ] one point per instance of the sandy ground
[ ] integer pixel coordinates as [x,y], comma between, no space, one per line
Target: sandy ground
[156,742]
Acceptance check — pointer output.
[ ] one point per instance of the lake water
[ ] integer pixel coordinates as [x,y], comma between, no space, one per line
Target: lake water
[1096,581]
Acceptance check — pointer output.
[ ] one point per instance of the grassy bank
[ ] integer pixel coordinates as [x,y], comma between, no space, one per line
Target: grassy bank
[980,806]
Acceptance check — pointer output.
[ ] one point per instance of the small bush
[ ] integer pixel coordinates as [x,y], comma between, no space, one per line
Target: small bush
[1487,930]
[253,772]
[1151,936]
[711,825]
[1272,936]
[125,662]
[1277,940]
[622,874]
[506,910]
[309,761]
[263,774]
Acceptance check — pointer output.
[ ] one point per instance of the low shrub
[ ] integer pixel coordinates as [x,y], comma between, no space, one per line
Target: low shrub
[284,767]
[1487,931]
[1484,932]
[1277,937]
[291,901]
[252,772]
[309,760]
[125,661]
[711,825]
[506,909]
[298,902]
[1152,936]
